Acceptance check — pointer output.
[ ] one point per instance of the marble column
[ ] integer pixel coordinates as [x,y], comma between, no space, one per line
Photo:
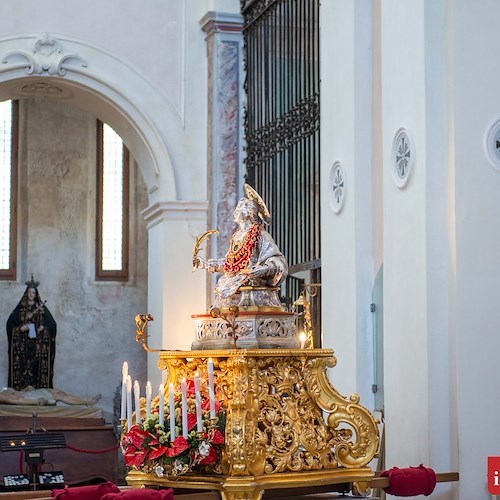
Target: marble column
[225,123]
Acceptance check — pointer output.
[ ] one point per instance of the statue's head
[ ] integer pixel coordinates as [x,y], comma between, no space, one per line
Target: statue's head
[246,210]
[31,293]
[252,207]
[32,289]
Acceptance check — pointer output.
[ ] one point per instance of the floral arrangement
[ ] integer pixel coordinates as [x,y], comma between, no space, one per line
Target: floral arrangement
[148,446]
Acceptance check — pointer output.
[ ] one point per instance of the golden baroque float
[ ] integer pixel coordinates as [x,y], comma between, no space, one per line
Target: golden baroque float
[276,434]
[285,425]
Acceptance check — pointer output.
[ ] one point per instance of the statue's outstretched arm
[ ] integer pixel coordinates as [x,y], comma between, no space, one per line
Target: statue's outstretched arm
[211,265]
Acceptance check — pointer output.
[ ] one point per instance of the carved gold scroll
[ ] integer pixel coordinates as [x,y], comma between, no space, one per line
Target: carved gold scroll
[286,424]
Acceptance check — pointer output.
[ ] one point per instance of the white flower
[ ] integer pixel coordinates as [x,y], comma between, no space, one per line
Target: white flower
[178,465]
[204,449]
[159,470]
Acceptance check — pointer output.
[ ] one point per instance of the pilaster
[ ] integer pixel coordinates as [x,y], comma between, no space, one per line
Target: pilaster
[225,124]
[174,291]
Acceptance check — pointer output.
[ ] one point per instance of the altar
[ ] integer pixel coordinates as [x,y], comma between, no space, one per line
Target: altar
[286,426]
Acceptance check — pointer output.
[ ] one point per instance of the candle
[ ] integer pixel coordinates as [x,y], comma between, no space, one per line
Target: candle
[123,415]
[129,401]
[197,395]
[149,392]
[161,402]
[211,387]
[302,338]
[184,409]
[137,395]
[172,412]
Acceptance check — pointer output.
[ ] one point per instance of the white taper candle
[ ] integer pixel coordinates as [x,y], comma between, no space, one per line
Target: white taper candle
[197,395]
[184,409]
[211,387]
[123,414]
[129,401]
[161,403]
[137,398]
[149,392]
[172,412]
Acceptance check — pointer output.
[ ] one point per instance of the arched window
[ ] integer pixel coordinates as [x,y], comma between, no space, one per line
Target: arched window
[112,205]
[9,120]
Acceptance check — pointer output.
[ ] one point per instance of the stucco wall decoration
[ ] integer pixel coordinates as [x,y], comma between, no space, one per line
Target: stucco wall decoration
[492,145]
[47,57]
[403,157]
[337,187]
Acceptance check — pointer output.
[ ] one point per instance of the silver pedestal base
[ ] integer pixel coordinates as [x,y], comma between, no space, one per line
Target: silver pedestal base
[254,330]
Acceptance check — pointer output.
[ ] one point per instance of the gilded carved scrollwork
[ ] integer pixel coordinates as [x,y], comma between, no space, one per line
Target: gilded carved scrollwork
[291,427]
[354,425]
[275,402]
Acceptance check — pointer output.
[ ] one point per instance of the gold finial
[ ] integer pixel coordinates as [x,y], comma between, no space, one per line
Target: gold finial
[309,290]
[141,321]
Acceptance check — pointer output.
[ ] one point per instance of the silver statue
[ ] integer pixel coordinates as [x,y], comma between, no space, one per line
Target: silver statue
[253,260]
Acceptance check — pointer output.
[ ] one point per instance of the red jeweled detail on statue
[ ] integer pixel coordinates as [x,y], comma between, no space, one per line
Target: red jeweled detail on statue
[238,259]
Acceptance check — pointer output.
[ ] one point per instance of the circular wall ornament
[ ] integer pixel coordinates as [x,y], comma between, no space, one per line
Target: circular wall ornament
[403,157]
[492,145]
[337,187]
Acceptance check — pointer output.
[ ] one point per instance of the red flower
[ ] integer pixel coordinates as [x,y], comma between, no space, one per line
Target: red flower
[157,449]
[137,435]
[191,421]
[134,457]
[211,458]
[190,386]
[217,437]
[206,405]
[179,445]
[157,452]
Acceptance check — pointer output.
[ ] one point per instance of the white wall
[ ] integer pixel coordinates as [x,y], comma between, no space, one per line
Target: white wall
[57,200]
[440,234]
[347,270]
[475,105]
[405,274]
[152,38]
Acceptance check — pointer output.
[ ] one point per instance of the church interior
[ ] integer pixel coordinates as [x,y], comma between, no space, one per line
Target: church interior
[188,185]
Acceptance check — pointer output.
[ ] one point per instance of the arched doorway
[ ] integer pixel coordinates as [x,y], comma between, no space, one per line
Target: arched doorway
[75,73]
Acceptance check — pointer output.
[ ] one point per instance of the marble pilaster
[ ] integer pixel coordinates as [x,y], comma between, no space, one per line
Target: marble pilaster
[225,122]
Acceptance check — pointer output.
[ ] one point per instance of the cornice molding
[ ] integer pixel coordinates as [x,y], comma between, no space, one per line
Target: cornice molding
[219,22]
[174,210]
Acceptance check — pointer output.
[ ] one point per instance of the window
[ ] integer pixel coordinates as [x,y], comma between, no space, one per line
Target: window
[112,205]
[9,114]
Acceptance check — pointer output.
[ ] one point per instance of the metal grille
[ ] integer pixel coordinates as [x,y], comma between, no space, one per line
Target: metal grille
[282,127]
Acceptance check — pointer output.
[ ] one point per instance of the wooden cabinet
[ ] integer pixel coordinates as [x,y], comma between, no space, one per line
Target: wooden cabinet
[82,435]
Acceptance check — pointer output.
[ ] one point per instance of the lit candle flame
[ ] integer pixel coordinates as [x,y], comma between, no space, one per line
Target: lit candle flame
[302,338]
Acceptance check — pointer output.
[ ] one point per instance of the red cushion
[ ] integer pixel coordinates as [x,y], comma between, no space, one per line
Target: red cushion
[93,492]
[144,494]
[411,481]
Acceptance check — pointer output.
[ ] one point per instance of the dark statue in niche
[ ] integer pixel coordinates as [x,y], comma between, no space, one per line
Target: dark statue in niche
[31,334]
